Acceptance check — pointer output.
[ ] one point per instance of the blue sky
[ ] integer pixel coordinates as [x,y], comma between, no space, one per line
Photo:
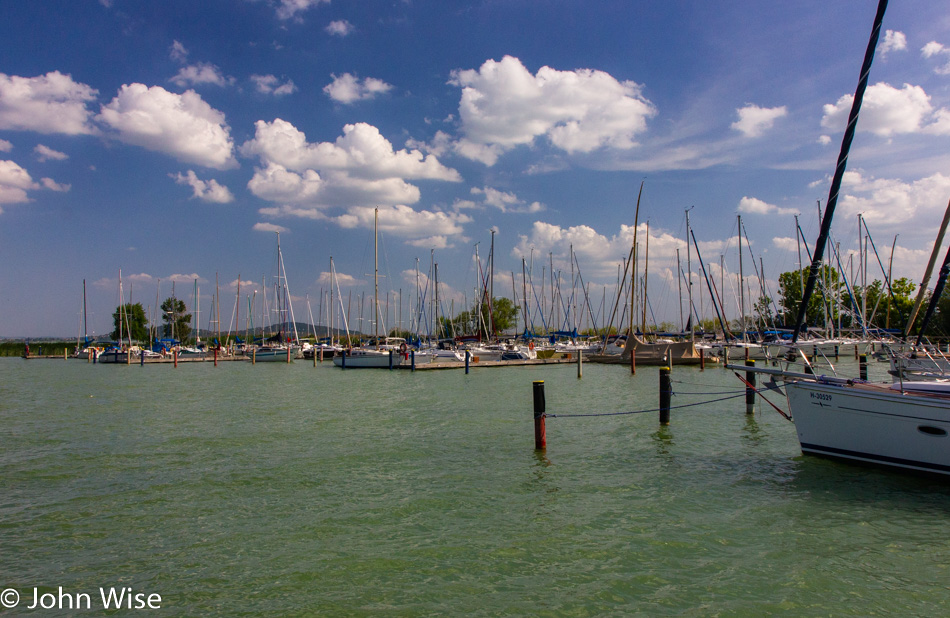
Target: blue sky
[172,139]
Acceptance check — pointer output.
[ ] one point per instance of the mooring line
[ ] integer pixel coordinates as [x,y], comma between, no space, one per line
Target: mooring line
[685,405]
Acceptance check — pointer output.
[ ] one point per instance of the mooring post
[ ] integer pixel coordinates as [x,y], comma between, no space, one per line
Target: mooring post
[412,360]
[215,356]
[540,436]
[863,367]
[666,395]
[390,359]
[746,354]
[633,361]
[175,357]
[580,364]
[836,351]
[725,358]
[342,359]
[253,356]
[702,359]
[142,358]
[288,355]
[750,388]
[321,354]
[315,356]
[466,361]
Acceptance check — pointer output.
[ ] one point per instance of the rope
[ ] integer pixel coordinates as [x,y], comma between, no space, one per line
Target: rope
[733,392]
[686,405]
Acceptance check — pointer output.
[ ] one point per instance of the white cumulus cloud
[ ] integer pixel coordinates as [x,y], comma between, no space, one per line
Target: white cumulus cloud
[270,84]
[181,125]
[893,41]
[201,73]
[360,167]
[51,103]
[348,88]
[15,182]
[205,190]
[936,50]
[504,106]
[287,9]
[340,28]
[505,201]
[888,111]
[45,153]
[268,227]
[755,206]
[754,120]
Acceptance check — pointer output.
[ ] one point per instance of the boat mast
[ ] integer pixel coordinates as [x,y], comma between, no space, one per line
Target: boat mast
[689,282]
[376,275]
[85,316]
[646,269]
[742,324]
[930,267]
[839,170]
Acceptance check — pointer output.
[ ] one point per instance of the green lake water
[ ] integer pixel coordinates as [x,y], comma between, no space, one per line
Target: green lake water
[301,490]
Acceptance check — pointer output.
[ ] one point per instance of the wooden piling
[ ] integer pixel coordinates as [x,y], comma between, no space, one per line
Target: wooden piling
[540,435]
[216,357]
[580,364]
[702,359]
[142,358]
[863,367]
[633,361]
[412,360]
[390,360]
[175,357]
[467,355]
[253,356]
[750,388]
[288,356]
[666,395]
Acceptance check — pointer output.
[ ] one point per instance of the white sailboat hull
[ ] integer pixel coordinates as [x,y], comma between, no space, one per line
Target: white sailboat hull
[872,424]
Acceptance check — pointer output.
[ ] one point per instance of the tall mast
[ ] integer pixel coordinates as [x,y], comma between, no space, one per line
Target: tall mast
[646,265]
[85,319]
[237,309]
[633,269]
[741,286]
[679,286]
[840,169]
[689,281]
[930,267]
[376,275]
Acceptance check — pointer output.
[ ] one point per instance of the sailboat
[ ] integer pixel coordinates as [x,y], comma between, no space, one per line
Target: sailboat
[387,352]
[902,425]
[278,348]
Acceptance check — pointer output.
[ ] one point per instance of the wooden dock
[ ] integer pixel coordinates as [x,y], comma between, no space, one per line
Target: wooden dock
[482,363]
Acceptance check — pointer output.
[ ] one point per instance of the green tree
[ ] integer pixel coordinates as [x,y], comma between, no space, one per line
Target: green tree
[177,321]
[505,314]
[130,321]
[823,300]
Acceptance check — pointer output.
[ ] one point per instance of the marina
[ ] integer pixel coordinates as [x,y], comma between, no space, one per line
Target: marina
[316,491]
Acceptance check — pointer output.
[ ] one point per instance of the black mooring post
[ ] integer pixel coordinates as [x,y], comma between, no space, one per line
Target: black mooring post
[666,395]
[540,435]
[750,388]
[863,367]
